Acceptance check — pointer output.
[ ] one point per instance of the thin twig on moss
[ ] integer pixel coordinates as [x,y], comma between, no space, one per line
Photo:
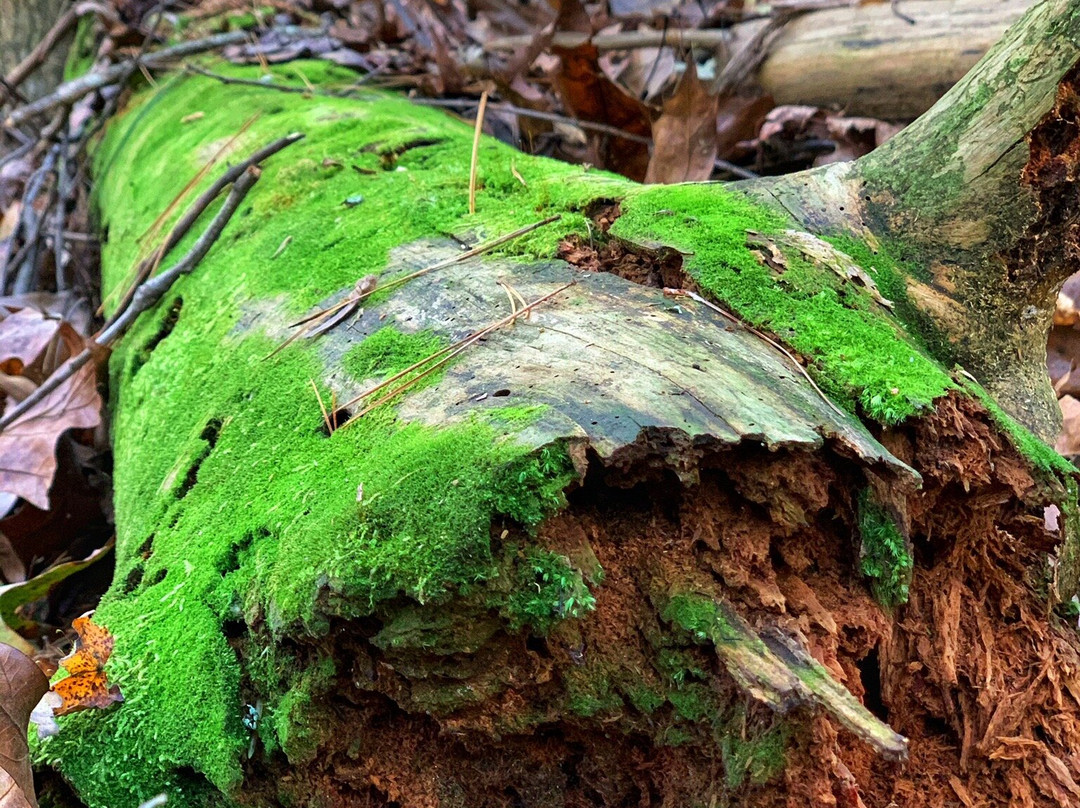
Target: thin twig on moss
[353,299]
[180,229]
[446,353]
[144,298]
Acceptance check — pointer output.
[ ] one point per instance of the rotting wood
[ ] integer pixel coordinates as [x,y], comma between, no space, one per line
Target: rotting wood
[401,606]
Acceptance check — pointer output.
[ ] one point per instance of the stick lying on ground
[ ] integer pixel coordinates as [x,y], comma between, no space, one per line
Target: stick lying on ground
[149,292]
[71,91]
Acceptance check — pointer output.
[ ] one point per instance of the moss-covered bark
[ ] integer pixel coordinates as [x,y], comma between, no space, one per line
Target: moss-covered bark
[484,592]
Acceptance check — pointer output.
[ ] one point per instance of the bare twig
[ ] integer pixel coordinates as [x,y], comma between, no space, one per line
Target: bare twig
[263,85]
[759,335]
[18,74]
[196,210]
[592,126]
[473,163]
[71,91]
[145,297]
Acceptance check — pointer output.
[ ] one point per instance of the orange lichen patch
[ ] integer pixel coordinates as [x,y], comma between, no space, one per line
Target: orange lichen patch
[87,686]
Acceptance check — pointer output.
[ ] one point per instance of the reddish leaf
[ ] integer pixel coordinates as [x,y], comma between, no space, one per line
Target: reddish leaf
[22,685]
[589,95]
[87,687]
[684,136]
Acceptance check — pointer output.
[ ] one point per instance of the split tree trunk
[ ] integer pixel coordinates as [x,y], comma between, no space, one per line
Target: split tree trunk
[623,551]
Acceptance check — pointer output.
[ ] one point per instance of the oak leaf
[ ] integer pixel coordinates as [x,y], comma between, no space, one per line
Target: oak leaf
[87,686]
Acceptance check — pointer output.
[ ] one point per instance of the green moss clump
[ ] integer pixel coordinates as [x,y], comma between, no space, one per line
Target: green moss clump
[300,726]
[862,355]
[885,557]
[533,487]
[693,613]
[548,590]
[752,754]
[233,504]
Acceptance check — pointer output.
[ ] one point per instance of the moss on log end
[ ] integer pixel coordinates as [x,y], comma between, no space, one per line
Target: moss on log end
[465,598]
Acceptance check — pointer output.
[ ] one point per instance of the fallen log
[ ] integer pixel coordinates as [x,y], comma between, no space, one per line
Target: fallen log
[883,60]
[626,549]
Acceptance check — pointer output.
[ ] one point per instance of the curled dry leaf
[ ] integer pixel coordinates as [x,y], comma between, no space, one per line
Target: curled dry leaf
[22,685]
[87,686]
[33,346]
[685,135]
[12,596]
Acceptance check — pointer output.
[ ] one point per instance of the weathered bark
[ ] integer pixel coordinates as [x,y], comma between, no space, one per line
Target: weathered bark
[978,197]
[623,552]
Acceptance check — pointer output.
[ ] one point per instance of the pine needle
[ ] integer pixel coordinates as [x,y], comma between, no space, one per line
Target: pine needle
[446,353]
[391,284]
[474,164]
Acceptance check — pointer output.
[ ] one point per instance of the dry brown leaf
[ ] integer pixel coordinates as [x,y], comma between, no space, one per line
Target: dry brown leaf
[32,346]
[24,336]
[22,685]
[10,219]
[1065,312]
[684,136]
[27,446]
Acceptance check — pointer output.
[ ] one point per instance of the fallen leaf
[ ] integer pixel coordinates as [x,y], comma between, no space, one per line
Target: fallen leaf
[684,136]
[44,715]
[22,685]
[27,459]
[25,335]
[1066,312]
[33,346]
[12,596]
[589,95]
[87,686]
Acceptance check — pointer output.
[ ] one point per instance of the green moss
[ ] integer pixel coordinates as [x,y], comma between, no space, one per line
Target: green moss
[752,754]
[693,702]
[548,590]
[298,724]
[80,57]
[861,355]
[885,557]
[695,614]
[593,698]
[531,488]
[388,351]
[232,502]
[1041,456]
[645,699]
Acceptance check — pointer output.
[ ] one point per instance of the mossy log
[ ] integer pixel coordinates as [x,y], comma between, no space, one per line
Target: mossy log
[622,552]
